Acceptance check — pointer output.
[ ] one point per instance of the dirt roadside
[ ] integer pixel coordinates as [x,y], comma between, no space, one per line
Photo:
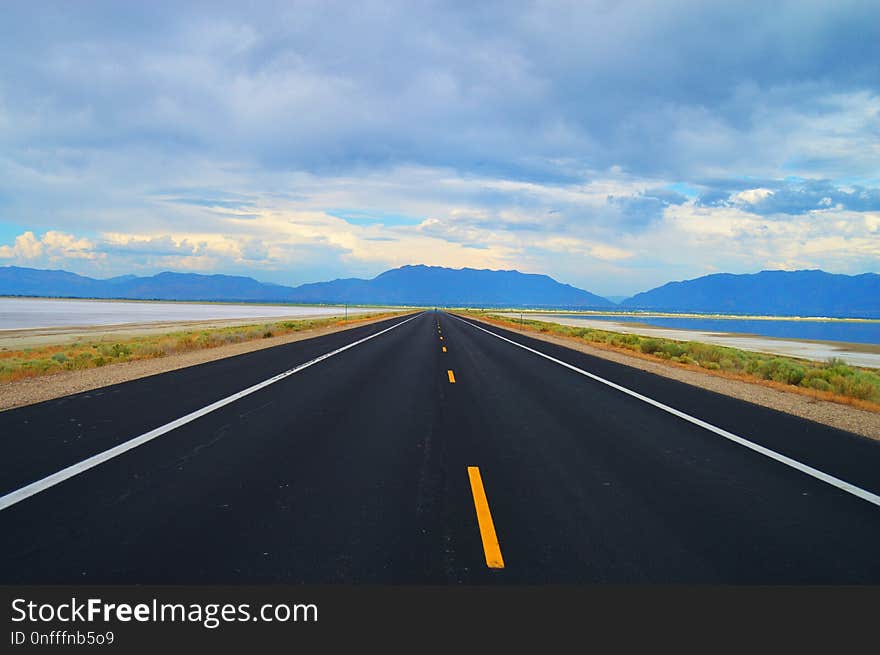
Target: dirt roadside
[839,416]
[34,390]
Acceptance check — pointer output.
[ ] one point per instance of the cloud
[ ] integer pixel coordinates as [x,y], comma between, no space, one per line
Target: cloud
[638,210]
[308,140]
[796,196]
[158,246]
[50,248]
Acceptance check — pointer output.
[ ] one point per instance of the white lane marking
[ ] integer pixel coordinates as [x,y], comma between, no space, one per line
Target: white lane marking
[75,469]
[772,454]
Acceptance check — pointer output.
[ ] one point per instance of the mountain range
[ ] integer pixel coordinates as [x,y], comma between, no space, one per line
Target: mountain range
[780,293]
[803,293]
[407,285]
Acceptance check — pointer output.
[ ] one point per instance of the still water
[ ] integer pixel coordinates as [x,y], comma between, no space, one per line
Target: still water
[21,313]
[849,332]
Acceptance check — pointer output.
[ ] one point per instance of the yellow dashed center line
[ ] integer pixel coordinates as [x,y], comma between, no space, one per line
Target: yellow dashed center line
[451,377]
[491,548]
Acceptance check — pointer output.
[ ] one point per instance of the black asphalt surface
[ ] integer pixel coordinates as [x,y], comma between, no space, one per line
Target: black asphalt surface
[355,470]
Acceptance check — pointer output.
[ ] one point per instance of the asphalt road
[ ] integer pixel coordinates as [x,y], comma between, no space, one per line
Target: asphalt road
[356,469]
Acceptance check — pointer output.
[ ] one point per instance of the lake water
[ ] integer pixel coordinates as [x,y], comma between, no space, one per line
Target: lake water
[21,313]
[819,330]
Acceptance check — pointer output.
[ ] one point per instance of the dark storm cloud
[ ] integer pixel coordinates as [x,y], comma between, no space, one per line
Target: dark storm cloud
[792,197]
[530,91]
[641,209]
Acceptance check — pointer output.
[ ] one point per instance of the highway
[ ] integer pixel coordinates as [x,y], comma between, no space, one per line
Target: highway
[429,449]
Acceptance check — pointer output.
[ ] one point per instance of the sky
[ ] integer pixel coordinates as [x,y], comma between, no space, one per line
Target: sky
[614,146]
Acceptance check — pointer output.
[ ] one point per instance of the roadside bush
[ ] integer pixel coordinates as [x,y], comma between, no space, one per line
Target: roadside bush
[148,350]
[704,352]
[673,349]
[856,386]
[650,346]
[814,373]
[781,370]
[120,350]
[819,383]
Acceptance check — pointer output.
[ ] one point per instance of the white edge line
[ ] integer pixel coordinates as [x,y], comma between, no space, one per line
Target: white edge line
[772,454]
[75,469]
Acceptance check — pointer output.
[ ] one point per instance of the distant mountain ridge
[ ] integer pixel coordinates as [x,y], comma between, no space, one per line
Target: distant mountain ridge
[782,293]
[407,285]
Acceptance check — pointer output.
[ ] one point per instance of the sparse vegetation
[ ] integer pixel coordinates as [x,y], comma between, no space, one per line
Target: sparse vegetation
[830,380]
[33,362]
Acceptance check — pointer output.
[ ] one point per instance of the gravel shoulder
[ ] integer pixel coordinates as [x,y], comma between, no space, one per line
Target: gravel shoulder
[34,390]
[843,417]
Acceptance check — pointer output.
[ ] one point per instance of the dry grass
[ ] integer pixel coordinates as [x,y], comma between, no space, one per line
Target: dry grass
[51,359]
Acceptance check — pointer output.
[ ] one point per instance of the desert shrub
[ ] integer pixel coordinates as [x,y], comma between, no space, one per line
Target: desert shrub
[148,350]
[793,374]
[82,360]
[856,386]
[712,366]
[650,346]
[673,349]
[819,383]
[61,358]
[704,352]
[814,373]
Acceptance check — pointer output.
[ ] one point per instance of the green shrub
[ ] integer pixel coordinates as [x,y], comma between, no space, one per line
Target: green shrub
[650,346]
[120,350]
[819,383]
[673,349]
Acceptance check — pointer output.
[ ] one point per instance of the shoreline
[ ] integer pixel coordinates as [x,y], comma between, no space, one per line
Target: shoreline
[22,338]
[708,315]
[271,303]
[862,355]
